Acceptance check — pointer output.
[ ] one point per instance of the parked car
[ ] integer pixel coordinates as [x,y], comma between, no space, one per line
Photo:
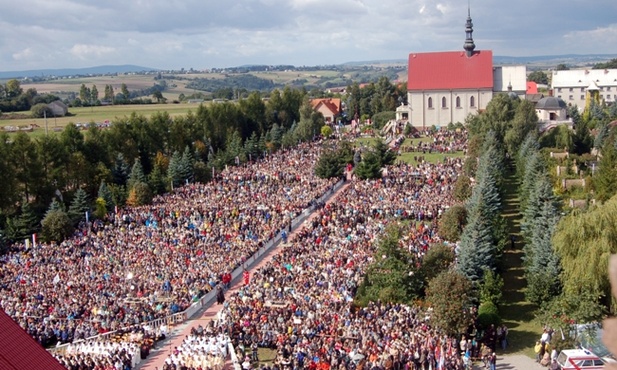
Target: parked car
[579,359]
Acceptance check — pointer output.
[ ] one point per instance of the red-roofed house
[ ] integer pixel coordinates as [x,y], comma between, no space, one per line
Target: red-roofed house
[20,351]
[446,87]
[329,107]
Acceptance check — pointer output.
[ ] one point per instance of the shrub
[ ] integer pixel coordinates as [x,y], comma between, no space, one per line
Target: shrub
[488,314]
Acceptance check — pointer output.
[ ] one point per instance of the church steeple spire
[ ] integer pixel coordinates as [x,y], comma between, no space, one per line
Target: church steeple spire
[469,46]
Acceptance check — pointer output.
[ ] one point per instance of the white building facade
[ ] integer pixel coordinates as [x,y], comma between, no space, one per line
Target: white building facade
[572,85]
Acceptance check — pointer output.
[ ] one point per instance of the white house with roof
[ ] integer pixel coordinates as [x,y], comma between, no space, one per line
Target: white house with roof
[552,112]
[572,85]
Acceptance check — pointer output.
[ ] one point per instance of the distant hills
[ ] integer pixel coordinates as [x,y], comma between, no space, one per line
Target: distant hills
[539,61]
[98,70]
[532,62]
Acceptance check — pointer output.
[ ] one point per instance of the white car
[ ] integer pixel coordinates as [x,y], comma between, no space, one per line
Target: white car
[579,359]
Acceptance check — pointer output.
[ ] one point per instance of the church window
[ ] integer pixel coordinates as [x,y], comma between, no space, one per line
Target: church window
[458,101]
[472,101]
[443,102]
[430,103]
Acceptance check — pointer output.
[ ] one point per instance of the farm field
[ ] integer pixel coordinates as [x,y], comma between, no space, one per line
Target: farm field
[97,114]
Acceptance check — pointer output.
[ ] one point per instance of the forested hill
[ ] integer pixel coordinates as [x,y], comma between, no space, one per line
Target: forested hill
[98,70]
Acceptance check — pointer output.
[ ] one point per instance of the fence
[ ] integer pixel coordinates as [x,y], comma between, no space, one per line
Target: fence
[208,299]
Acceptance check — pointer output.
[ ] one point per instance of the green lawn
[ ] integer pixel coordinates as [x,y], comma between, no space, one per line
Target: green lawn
[366,140]
[428,157]
[516,312]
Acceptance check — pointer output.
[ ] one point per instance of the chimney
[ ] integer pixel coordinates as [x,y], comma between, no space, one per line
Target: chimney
[550,92]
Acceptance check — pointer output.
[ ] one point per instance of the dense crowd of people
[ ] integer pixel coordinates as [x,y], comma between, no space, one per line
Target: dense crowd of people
[443,141]
[301,302]
[152,261]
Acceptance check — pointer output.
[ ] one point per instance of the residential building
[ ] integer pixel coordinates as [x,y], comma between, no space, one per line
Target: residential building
[329,107]
[573,85]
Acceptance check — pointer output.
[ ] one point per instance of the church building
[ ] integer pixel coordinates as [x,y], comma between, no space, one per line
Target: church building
[446,87]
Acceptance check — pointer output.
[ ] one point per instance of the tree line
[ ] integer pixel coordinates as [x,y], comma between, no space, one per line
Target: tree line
[138,157]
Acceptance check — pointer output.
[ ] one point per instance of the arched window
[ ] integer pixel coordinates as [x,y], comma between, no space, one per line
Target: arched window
[443,102]
[458,101]
[430,103]
[472,101]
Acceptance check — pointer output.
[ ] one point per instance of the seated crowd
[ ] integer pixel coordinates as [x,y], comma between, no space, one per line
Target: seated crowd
[301,302]
[152,261]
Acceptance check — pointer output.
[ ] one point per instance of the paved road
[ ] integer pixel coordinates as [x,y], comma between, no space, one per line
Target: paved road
[511,362]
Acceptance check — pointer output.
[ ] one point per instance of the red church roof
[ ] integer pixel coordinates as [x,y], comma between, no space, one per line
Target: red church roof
[20,351]
[450,70]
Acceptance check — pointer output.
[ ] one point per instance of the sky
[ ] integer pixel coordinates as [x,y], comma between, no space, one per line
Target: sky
[203,34]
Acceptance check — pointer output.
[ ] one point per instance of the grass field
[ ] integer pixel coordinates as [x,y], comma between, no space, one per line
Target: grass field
[516,312]
[97,114]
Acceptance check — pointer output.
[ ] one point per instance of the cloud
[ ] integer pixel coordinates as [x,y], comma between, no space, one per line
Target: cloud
[23,54]
[594,38]
[84,51]
[219,33]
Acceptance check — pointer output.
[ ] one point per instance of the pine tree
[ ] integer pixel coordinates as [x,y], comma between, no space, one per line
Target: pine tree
[476,247]
[174,172]
[544,268]
[120,171]
[529,146]
[534,167]
[156,180]
[26,224]
[56,206]
[137,174]
[329,165]
[79,206]
[369,167]
[105,194]
[186,166]
[386,156]
[601,136]
[541,192]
